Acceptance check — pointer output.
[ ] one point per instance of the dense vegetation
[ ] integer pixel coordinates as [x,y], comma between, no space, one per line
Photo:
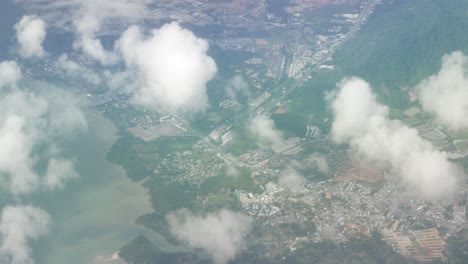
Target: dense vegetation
[387,52]
[122,153]
[142,250]
[404,41]
[457,248]
[401,44]
[369,251]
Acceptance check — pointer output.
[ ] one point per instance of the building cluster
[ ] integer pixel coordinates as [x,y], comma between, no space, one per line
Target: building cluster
[169,128]
[455,149]
[260,100]
[423,245]
[341,210]
[357,201]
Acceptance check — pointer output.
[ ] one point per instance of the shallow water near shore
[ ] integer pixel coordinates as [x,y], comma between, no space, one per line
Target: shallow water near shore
[95,214]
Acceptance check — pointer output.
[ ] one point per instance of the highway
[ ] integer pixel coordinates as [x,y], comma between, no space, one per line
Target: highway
[220,153]
[368,8]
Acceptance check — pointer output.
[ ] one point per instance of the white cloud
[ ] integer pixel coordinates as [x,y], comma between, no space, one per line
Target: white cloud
[18,137]
[29,122]
[89,43]
[88,22]
[73,69]
[58,172]
[124,81]
[220,234]
[236,86]
[446,93]
[264,128]
[291,179]
[173,64]
[352,107]
[60,13]
[18,226]
[87,26]
[319,162]
[89,19]
[313,162]
[64,115]
[361,121]
[30,34]
[15,159]
[10,73]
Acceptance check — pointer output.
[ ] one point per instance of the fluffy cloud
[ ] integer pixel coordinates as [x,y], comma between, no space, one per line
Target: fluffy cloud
[173,64]
[361,121]
[89,18]
[10,73]
[291,179]
[30,34]
[15,158]
[18,226]
[219,234]
[87,26]
[30,122]
[264,128]
[446,93]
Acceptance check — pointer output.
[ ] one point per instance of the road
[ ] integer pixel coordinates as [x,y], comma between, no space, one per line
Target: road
[219,152]
[368,8]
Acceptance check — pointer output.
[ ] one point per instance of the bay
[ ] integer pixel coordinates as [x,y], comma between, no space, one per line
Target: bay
[95,214]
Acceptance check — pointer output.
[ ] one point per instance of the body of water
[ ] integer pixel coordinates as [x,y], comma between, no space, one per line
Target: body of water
[95,214]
